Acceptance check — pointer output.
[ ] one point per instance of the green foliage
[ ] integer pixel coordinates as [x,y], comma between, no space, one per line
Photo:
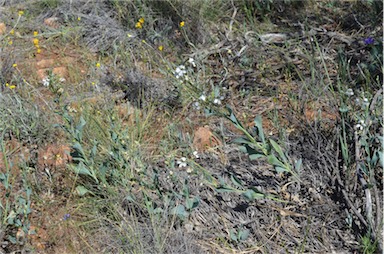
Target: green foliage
[22,118]
[367,246]
[257,146]
[15,202]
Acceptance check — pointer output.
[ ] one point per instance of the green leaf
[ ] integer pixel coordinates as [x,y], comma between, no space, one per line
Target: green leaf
[252,194]
[381,157]
[233,118]
[180,211]
[158,210]
[81,124]
[12,239]
[241,141]
[233,235]
[280,169]
[256,156]
[93,150]
[82,170]
[192,203]
[223,189]
[251,150]
[81,190]
[259,126]
[236,181]
[274,161]
[243,149]
[298,165]
[77,146]
[278,150]
[243,234]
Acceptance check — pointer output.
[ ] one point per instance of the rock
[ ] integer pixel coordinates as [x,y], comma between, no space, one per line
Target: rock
[273,38]
[52,22]
[62,72]
[205,139]
[45,63]
[3,28]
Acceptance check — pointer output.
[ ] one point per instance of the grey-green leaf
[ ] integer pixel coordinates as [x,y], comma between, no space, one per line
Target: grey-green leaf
[274,161]
[243,234]
[278,150]
[252,195]
[259,126]
[256,156]
[81,190]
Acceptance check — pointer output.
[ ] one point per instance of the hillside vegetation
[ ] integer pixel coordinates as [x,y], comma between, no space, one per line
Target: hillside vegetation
[200,126]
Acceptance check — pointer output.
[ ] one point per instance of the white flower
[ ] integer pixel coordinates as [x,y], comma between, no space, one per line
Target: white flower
[365,102]
[359,127]
[203,97]
[182,162]
[196,154]
[180,71]
[217,101]
[362,123]
[192,62]
[196,105]
[349,92]
[46,81]
[189,170]
[62,79]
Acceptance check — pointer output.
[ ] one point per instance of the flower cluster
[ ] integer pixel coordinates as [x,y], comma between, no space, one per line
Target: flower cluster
[36,42]
[10,86]
[349,92]
[180,71]
[182,162]
[361,125]
[139,23]
[369,41]
[192,62]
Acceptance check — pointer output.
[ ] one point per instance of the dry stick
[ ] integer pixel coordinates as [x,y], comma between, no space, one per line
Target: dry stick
[368,196]
[345,194]
[375,191]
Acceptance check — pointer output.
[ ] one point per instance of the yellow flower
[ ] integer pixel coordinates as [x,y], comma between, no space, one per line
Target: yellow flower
[141,20]
[93,83]
[12,32]
[143,41]
[138,25]
[182,23]
[35,33]
[38,51]
[14,65]
[10,42]
[36,41]
[161,47]
[12,87]
[21,13]
[78,18]
[129,35]
[98,65]
[6,84]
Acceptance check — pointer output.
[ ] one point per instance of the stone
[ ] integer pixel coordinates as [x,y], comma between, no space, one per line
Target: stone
[3,28]
[205,139]
[52,22]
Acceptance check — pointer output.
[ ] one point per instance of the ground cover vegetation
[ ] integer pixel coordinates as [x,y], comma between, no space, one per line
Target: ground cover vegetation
[201,126]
